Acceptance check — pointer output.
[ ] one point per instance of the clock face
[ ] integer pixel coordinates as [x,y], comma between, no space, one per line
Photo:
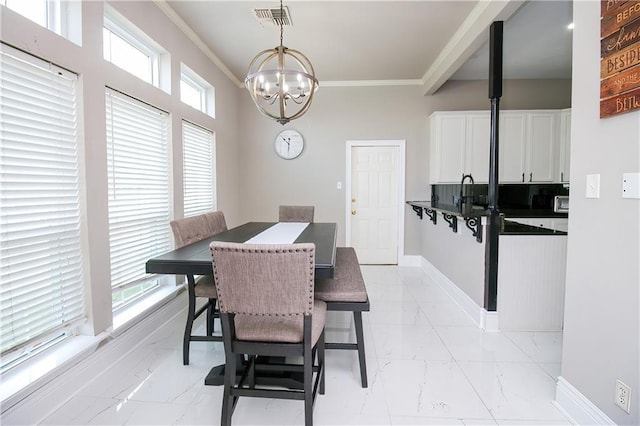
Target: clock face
[288,144]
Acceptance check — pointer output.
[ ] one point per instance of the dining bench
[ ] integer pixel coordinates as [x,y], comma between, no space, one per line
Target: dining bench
[346,291]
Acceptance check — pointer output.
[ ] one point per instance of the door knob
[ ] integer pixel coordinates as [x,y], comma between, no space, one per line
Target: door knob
[353,200]
[353,212]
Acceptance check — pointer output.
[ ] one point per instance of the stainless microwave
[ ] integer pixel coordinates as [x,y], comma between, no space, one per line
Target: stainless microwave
[561,204]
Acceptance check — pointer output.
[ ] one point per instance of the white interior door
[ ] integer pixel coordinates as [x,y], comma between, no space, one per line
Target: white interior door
[374,203]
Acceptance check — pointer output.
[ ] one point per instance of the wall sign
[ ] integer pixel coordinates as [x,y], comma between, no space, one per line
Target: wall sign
[619,57]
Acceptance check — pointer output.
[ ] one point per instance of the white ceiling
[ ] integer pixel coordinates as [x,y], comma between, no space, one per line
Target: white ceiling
[351,42]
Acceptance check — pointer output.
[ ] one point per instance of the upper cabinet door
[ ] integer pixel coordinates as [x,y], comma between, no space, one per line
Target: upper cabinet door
[448,133]
[528,145]
[542,145]
[565,145]
[512,146]
[478,138]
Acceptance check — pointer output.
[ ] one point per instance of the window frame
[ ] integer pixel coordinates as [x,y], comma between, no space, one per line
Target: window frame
[206,90]
[164,235]
[62,17]
[186,174]
[57,330]
[137,39]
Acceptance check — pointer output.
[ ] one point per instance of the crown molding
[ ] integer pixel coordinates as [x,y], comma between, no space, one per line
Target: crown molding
[371,83]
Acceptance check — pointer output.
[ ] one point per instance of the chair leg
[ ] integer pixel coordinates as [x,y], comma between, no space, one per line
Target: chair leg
[321,362]
[229,383]
[191,312]
[357,317]
[211,311]
[308,387]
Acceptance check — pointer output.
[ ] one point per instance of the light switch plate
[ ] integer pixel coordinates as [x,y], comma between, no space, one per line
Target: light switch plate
[631,185]
[593,186]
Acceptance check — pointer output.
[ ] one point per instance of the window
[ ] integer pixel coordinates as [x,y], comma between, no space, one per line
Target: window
[41,273]
[199,170]
[129,48]
[138,178]
[196,92]
[61,17]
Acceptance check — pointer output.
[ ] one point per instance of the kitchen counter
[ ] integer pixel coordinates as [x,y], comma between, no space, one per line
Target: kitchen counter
[450,209]
[532,213]
[508,227]
[514,228]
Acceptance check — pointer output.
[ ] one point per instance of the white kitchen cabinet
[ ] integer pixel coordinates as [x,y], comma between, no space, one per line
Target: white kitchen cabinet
[528,145]
[459,145]
[565,146]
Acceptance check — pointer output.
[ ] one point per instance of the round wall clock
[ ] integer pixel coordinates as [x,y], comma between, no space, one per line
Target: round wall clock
[288,144]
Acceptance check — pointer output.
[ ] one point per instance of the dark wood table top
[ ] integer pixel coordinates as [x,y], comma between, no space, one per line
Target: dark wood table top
[195,259]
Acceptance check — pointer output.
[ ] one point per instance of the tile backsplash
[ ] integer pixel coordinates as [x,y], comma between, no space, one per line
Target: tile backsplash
[510,196]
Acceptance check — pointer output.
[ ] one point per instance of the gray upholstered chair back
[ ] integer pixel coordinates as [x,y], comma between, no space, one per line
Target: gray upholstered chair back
[264,279]
[296,213]
[188,230]
[195,228]
[216,222]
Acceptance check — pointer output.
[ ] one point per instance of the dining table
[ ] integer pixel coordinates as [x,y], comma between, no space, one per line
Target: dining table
[195,259]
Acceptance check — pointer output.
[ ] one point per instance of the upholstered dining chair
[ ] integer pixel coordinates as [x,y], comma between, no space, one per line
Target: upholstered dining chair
[187,231]
[296,213]
[267,308]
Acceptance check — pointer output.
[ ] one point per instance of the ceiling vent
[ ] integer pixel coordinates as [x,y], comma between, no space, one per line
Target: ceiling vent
[274,16]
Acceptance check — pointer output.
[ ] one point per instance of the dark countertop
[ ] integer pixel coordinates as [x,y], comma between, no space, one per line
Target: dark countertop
[476,211]
[515,228]
[482,211]
[508,227]
[527,213]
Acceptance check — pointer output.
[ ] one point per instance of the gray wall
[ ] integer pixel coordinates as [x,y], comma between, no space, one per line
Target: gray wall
[339,114]
[602,323]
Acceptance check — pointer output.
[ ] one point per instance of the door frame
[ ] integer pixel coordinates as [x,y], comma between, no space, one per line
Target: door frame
[401,167]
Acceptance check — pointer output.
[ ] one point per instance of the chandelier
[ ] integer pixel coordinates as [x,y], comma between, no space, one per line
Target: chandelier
[281,81]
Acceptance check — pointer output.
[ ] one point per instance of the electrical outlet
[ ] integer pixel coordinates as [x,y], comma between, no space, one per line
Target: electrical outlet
[623,396]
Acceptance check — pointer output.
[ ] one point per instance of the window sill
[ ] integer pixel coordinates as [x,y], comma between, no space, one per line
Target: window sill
[136,312]
[33,373]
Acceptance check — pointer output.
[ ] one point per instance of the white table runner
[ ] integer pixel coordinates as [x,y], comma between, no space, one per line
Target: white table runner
[280,233]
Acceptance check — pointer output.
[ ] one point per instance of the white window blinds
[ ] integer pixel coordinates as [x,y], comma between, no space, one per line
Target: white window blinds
[138,178]
[199,170]
[41,275]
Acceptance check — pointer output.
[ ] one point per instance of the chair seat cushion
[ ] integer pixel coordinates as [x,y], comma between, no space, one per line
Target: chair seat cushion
[283,329]
[347,284]
[205,287]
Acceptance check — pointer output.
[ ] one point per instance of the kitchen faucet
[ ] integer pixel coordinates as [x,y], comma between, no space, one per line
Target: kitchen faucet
[463,199]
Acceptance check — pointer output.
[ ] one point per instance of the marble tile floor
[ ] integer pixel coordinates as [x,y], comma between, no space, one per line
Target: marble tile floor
[428,364]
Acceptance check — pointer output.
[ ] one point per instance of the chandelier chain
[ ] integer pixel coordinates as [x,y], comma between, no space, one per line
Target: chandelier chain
[281,81]
[281,22]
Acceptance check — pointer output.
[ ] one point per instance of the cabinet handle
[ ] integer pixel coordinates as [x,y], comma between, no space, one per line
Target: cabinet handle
[523,178]
[353,212]
[530,177]
[561,176]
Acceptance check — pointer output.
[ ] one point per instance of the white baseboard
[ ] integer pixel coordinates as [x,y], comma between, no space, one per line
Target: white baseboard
[78,372]
[485,320]
[577,407]
[410,260]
